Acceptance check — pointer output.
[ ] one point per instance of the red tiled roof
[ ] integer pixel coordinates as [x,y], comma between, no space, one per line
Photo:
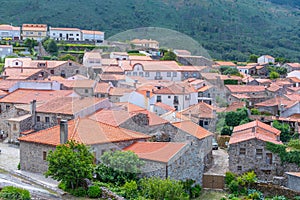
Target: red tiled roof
[234,106]
[193,129]
[64,29]
[255,129]
[116,91]
[273,87]
[23,96]
[164,106]
[176,88]
[20,73]
[245,88]
[156,151]
[112,77]
[201,110]
[111,117]
[91,32]
[224,63]
[68,105]
[294,79]
[102,87]
[276,101]
[294,65]
[86,131]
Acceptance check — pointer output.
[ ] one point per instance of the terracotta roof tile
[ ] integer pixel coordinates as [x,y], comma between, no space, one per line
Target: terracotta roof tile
[164,106]
[245,88]
[224,63]
[234,106]
[85,131]
[22,96]
[176,88]
[20,73]
[276,101]
[200,110]
[156,151]
[102,88]
[116,91]
[193,129]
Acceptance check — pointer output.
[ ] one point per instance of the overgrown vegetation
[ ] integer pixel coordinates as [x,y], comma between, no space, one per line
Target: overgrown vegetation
[292,156]
[14,193]
[286,133]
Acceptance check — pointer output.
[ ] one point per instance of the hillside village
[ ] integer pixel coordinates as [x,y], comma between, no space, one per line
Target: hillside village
[168,110]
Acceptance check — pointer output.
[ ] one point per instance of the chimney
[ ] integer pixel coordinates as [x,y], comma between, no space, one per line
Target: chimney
[33,112]
[63,131]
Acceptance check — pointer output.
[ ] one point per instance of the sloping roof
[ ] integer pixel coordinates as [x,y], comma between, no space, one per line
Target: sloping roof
[193,129]
[102,87]
[138,58]
[225,63]
[201,110]
[91,32]
[185,68]
[84,83]
[34,27]
[273,87]
[276,101]
[24,96]
[235,105]
[176,88]
[255,129]
[116,91]
[210,76]
[7,27]
[294,79]
[86,131]
[68,105]
[164,106]
[7,84]
[63,29]
[293,65]
[156,151]
[111,117]
[20,73]
[245,88]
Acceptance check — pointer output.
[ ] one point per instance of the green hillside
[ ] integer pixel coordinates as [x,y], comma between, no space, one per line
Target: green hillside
[229,29]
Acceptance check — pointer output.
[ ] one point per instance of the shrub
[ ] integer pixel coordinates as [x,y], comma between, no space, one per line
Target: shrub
[78,192]
[14,193]
[279,198]
[294,144]
[196,191]
[130,190]
[234,187]
[156,188]
[94,191]
[255,195]
[226,131]
[62,186]
[229,176]
[19,166]
[255,111]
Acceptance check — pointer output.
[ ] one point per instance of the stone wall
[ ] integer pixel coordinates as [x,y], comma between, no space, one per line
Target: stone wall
[293,182]
[250,161]
[70,68]
[270,190]
[53,120]
[32,156]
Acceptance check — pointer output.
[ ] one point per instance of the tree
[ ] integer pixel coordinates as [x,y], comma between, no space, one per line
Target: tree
[67,57]
[235,118]
[274,75]
[252,58]
[70,163]
[169,56]
[118,167]
[52,47]
[285,135]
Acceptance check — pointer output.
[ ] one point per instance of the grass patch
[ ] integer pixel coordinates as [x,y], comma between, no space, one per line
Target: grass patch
[72,52]
[211,195]
[136,54]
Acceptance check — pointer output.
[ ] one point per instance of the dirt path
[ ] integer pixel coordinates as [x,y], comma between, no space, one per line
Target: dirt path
[220,162]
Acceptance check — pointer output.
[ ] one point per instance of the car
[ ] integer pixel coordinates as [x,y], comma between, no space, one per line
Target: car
[215,145]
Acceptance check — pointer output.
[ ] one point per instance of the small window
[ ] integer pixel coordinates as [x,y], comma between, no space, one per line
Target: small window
[186,74]
[194,74]
[168,74]
[52,71]
[86,91]
[239,168]
[242,151]
[206,123]
[134,73]
[147,74]
[128,73]
[174,74]
[7,107]
[259,153]
[44,155]
[70,64]
[141,74]
[47,119]
[169,97]
[38,118]
[77,34]
[77,71]
[14,127]
[176,108]
[158,99]
[158,74]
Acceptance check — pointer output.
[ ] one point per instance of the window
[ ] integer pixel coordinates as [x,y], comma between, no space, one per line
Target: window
[158,99]
[47,119]
[269,158]
[186,74]
[77,71]
[187,97]
[44,155]
[70,64]
[259,153]
[71,34]
[134,73]
[141,74]
[53,34]
[200,94]
[7,107]
[147,74]
[39,33]
[128,73]
[158,74]
[17,63]
[174,74]
[239,168]
[242,151]
[208,95]
[194,74]
[14,127]
[168,74]
[77,34]
[176,108]
[205,123]
[86,91]
[169,97]
[38,118]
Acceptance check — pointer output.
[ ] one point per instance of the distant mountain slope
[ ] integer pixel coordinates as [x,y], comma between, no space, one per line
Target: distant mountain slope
[229,29]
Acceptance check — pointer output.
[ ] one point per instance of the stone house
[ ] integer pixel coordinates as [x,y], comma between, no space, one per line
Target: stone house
[291,66]
[35,147]
[202,114]
[293,181]
[24,74]
[85,88]
[92,58]
[247,150]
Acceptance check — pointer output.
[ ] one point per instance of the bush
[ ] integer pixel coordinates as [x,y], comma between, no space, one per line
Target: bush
[255,111]
[255,195]
[78,192]
[234,187]
[94,191]
[229,176]
[156,188]
[279,198]
[226,131]
[130,190]
[294,144]
[196,191]
[14,193]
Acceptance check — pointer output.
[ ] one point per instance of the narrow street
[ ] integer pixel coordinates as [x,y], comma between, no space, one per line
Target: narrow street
[220,163]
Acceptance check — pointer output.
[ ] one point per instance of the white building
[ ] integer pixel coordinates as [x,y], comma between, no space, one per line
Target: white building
[6,50]
[94,36]
[177,95]
[8,32]
[153,70]
[66,34]
[119,55]
[91,59]
[265,59]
